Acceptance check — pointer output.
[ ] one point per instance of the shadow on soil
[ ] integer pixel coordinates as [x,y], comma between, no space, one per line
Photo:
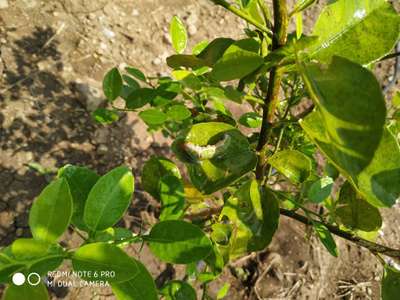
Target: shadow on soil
[44,118]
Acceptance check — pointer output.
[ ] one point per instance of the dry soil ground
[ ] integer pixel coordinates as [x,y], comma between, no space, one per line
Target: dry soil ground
[54,54]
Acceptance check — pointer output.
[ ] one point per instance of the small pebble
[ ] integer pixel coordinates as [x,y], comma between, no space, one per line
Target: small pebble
[192,30]
[157,61]
[135,13]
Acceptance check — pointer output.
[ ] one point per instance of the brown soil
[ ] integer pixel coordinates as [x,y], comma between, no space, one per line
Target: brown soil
[53,57]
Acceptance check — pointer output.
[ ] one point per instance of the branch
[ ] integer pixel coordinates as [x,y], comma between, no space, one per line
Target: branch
[280,34]
[389,56]
[243,15]
[371,246]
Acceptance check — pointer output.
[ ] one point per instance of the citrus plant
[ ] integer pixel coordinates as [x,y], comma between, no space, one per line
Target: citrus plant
[314,131]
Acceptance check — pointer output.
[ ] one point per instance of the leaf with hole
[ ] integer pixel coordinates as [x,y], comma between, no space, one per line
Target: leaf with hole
[216,154]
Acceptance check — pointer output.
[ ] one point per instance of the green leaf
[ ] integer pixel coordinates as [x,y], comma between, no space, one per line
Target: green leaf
[140,287]
[379,181]
[154,170]
[222,94]
[221,233]
[172,196]
[353,117]
[108,199]
[253,9]
[136,73]
[80,181]
[251,120]
[132,83]
[96,261]
[295,165]
[355,213]
[185,61]
[139,98]
[396,100]
[7,270]
[199,47]
[38,256]
[326,238]
[348,127]
[51,212]
[349,28]
[178,112]
[188,79]
[178,242]
[302,5]
[25,249]
[178,290]
[236,64]
[320,190]
[178,34]
[223,291]
[153,116]
[105,116]
[112,84]
[390,284]
[248,44]
[113,234]
[253,213]
[216,154]
[215,50]
[26,291]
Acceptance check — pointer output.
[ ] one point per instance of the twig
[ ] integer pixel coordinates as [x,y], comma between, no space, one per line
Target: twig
[243,15]
[396,72]
[389,56]
[371,246]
